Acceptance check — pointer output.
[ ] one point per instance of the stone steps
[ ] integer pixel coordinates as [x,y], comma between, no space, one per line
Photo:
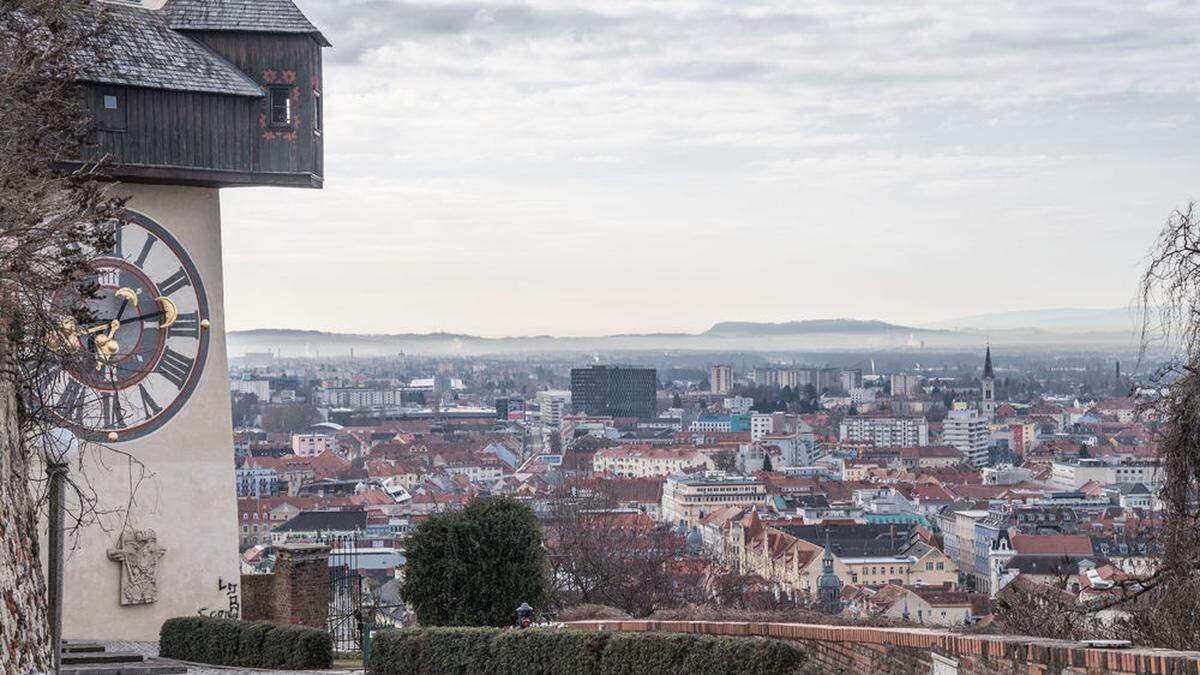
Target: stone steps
[92,658]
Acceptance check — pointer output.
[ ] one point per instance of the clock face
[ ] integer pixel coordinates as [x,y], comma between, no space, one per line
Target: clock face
[133,367]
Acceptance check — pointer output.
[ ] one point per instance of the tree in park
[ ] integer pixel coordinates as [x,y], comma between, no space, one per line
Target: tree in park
[474,567]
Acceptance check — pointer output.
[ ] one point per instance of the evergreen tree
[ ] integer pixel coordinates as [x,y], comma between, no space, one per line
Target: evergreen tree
[474,567]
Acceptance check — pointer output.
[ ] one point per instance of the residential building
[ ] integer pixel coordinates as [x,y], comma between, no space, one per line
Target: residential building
[967,430]
[720,379]
[645,461]
[311,445]
[1072,474]
[552,405]
[688,498]
[906,384]
[884,431]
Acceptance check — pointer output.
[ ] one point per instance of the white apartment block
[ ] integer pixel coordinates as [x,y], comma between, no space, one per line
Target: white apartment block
[553,404]
[359,397]
[260,388]
[761,424]
[884,432]
[1071,475]
[969,432]
[738,405]
[643,462]
[688,498]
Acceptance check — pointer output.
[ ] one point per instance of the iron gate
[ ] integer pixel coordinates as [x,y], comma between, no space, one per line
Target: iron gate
[345,594]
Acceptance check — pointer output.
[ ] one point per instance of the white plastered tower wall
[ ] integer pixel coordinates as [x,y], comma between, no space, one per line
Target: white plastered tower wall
[188,496]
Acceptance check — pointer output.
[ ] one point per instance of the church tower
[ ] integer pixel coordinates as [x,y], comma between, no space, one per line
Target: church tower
[987,404]
[829,586]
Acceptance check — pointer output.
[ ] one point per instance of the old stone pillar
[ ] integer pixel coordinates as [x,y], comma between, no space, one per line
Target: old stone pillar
[302,584]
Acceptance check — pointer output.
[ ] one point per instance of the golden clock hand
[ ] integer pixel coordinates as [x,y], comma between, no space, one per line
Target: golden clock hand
[127,294]
[170,313]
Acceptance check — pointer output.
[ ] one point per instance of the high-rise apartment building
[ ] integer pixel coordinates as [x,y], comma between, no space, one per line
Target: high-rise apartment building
[905,384]
[720,379]
[614,391]
[967,430]
[552,405]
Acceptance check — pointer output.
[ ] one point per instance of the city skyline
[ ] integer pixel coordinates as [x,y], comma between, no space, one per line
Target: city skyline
[495,168]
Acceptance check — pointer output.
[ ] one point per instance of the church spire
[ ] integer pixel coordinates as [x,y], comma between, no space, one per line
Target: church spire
[987,363]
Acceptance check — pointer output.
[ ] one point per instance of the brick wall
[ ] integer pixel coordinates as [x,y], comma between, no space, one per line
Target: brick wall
[875,651]
[300,591]
[257,593]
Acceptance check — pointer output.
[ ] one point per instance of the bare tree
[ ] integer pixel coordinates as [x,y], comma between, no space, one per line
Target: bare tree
[52,223]
[603,555]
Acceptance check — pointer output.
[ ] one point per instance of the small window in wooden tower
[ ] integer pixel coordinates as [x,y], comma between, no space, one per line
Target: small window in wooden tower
[318,115]
[110,112]
[281,106]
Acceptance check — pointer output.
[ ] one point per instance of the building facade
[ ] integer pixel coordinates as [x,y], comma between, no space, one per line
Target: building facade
[201,95]
[720,379]
[614,391]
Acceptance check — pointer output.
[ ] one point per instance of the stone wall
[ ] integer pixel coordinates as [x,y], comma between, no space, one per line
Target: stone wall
[875,651]
[258,591]
[24,628]
[300,591]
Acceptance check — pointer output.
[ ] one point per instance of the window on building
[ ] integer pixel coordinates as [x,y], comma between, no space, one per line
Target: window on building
[318,115]
[280,101]
[110,113]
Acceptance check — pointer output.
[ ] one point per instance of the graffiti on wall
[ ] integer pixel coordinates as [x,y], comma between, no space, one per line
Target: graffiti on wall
[234,608]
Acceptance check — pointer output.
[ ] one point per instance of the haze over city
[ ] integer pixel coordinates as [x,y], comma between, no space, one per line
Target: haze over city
[661,168]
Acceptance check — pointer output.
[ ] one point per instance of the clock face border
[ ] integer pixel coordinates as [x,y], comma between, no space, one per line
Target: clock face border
[133,217]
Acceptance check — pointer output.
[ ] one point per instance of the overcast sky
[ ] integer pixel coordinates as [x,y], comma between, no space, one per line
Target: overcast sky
[595,167]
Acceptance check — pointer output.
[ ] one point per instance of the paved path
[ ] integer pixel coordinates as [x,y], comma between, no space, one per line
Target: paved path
[151,649]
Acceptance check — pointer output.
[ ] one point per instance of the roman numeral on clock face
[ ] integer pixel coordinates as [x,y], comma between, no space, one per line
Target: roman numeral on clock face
[145,252]
[175,367]
[71,402]
[115,251]
[187,325]
[152,408]
[110,404]
[174,282]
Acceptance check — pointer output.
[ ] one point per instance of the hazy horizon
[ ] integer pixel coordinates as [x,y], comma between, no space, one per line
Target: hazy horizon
[566,168]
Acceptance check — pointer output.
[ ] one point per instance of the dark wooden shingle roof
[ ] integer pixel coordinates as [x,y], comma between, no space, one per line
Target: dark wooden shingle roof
[266,16]
[141,50]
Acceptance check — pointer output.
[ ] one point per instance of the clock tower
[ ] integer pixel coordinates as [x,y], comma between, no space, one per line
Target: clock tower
[194,96]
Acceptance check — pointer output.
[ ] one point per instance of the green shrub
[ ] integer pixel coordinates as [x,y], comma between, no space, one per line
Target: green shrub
[548,651]
[537,651]
[473,567]
[231,642]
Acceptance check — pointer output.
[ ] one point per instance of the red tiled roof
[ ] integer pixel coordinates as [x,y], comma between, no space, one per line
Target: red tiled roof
[1052,544]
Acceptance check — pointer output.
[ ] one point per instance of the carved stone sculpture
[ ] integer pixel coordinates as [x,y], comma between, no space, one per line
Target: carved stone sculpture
[138,552]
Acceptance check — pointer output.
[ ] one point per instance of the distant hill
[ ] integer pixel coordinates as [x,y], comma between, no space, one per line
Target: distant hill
[1064,319]
[819,334]
[751,328]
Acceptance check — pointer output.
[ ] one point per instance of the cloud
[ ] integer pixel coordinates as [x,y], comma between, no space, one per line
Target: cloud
[528,133]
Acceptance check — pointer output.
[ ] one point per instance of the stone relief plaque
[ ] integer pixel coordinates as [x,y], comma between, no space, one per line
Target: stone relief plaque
[138,552]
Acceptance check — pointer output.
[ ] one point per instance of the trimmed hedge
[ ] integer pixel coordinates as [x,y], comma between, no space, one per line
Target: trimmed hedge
[233,642]
[483,651]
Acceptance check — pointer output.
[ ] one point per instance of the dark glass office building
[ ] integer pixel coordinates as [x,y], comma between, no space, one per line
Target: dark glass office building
[614,391]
